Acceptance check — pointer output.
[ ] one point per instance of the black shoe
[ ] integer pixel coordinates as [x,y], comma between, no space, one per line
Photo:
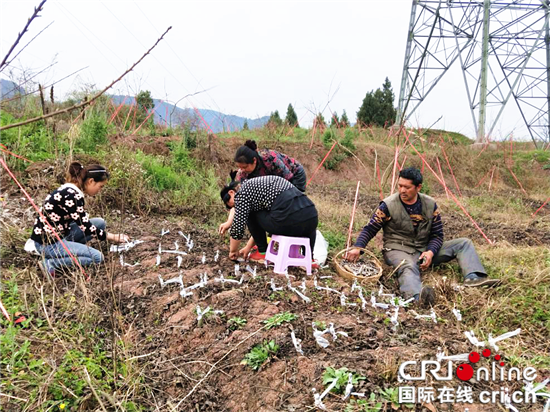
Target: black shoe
[427,297]
[481,281]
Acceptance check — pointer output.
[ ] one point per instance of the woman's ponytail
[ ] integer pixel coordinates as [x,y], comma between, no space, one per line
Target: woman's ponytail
[251,144]
[78,174]
[75,174]
[247,153]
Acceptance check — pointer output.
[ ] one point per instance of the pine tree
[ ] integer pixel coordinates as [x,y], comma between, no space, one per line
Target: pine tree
[344,121]
[291,118]
[245,125]
[275,119]
[144,103]
[389,110]
[377,107]
[334,122]
[319,123]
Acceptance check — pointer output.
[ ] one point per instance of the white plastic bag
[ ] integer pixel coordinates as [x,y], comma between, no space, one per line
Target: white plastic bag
[320,249]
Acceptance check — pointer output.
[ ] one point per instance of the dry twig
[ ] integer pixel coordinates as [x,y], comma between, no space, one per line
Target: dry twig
[87,102]
[34,15]
[216,364]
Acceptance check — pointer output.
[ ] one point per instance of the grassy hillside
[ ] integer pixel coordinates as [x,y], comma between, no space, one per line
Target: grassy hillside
[121,341]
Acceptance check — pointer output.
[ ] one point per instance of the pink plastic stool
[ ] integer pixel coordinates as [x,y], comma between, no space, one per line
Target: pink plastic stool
[288,253]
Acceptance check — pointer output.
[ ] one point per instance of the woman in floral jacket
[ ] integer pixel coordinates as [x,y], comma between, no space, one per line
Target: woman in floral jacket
[63,211]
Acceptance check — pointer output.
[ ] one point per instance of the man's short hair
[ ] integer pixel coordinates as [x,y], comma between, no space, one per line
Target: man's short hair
[412,173]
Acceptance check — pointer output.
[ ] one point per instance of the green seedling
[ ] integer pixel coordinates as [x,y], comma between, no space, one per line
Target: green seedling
[364,405]
[259,354]
[341,377]
[391,396]
[236,323]
[279,319]
[320,324]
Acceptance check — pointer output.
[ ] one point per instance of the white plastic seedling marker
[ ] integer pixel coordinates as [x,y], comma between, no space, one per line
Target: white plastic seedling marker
[388,295]
[178,280]
[203,260]
[175,252]
[355,287]
[201,313]
[185,293]
[463,357]
[176,245]
[343,301]
[237,270]
[274,287]
[158,260]
[190,244]
[530,388]
[393,318]
[321,340]
[375,304]
[400,302]
[180,259]
[349,387]
[125,247]
[492,341]
[334,333]
[224,280]
[508,402]
[251,271]
[319,398]
[324,288]
[304,297]
[432,315]
[123,263]
[217,256]
[297,343]
[473,340]
[457,314]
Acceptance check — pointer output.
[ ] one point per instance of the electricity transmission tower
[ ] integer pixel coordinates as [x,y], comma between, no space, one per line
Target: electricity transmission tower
[503,49]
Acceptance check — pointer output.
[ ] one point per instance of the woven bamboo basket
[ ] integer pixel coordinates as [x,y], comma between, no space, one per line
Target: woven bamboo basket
[346,274]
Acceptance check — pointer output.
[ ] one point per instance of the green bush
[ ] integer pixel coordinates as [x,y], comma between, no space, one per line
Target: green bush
[182,180]
[349,137]
[93,132]
[33,141]
[328,138]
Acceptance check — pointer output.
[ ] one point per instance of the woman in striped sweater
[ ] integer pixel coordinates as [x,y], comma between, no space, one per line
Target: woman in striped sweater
[267,204]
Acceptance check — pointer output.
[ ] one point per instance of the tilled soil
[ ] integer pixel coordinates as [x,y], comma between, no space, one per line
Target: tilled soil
[197,365]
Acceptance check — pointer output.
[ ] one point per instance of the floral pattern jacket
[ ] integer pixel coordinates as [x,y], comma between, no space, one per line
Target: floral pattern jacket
[273,163]
[62,207]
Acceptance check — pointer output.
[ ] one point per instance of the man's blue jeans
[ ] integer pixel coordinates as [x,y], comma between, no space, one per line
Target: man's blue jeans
[56,257]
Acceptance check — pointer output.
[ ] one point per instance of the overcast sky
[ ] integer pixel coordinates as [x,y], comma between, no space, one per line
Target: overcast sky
[252,57]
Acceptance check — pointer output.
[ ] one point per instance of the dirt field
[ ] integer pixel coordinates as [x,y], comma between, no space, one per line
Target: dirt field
[192,365]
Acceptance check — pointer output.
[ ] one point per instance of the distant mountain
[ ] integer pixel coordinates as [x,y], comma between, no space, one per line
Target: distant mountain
[168,114]
[8,89]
